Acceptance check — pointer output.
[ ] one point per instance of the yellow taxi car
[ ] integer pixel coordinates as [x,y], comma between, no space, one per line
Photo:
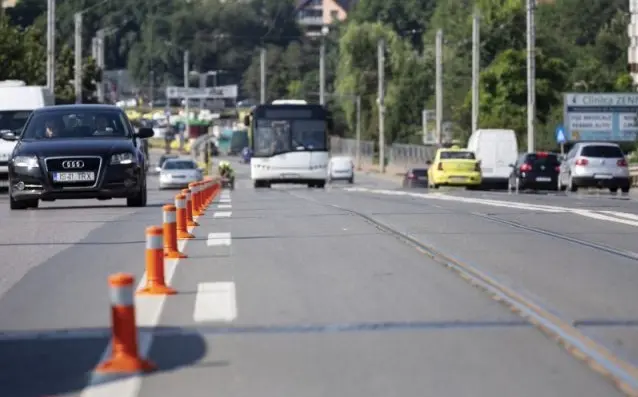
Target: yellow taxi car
[454,167]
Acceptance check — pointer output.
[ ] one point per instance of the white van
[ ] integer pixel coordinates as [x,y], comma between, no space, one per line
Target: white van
[17,101]
[496,149]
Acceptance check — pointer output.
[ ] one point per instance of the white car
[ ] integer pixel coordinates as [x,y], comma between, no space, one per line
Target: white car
[341,168]
[177,173]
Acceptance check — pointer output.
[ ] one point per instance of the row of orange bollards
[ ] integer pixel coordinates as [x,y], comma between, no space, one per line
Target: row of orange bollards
[161,242]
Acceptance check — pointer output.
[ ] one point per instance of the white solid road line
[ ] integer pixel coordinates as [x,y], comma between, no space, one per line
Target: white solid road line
[224,206]
[224,201]
[625,215]
[147,312]
[222,214]
[610,216]
[215,302]
[218,239]
[594,215]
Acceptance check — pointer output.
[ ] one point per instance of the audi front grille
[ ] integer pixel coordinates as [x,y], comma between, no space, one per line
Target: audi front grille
[73,164]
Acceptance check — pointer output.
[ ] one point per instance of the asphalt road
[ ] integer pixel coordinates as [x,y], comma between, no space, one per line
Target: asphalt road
[307,292]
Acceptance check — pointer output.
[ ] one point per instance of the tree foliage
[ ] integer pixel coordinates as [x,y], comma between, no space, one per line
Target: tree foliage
[581,46]
[23,57]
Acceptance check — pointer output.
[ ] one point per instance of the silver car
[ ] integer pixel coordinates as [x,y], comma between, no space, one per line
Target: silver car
[178,173]
[594,164]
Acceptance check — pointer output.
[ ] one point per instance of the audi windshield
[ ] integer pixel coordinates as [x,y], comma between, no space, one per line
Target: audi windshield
[74,124]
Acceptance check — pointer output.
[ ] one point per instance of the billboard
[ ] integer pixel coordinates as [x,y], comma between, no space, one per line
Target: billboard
[219,92]
[609,117]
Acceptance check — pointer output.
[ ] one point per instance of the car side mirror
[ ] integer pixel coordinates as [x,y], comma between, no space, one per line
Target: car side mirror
[8,135]
[512,165]
[247,120]
[145,133]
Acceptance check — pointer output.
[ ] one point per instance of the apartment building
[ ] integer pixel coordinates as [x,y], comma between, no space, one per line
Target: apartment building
[312,15]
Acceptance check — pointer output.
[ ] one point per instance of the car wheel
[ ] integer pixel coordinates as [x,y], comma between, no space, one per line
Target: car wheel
[320,185]
[17,205]
[613,189]
[572,186]
[625,189]
[139,200]
[351,180]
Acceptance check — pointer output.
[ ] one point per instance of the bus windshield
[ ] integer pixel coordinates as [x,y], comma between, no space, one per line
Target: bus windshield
[272,137]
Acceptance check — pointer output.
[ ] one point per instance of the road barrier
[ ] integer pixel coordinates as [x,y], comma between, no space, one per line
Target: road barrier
[181,224]
[170,232]
[124,355]
[196,197]
[189,208]
[155,281]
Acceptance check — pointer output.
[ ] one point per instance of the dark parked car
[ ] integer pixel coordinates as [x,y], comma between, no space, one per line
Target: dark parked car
[416,177]
[77,152]
[535,171]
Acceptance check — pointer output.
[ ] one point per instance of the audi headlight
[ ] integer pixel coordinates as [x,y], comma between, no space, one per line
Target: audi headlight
[26,161]
[123,158]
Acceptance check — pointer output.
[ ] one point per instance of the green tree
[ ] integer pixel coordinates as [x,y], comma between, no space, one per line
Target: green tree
[503,91]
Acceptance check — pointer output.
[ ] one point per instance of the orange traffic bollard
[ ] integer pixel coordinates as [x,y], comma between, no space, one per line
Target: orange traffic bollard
[209,191]
[195,197]
[170,233]
[124,354]
[182,219]
[189,208]
[207,195]
[155,283]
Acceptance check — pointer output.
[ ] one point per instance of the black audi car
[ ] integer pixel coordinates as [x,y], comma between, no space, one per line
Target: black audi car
[77,152]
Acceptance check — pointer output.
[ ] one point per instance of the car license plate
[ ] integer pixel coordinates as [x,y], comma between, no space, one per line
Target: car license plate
[73,176]
[458,178]
[422,178]
[543,179]
[602,176]
[290,176]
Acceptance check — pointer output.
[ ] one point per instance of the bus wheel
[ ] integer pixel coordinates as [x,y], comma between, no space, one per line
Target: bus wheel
[320,185]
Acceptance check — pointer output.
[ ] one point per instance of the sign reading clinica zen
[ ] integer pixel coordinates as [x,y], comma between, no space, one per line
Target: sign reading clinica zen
[600,117]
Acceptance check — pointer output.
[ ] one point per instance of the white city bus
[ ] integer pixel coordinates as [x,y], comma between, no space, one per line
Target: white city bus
[289,143]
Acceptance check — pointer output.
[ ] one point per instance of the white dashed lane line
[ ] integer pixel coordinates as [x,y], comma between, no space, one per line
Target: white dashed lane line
[215,302]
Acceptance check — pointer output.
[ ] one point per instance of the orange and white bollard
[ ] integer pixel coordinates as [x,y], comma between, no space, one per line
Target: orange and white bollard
[170,232]
[189,209]
[196,198]
[207,187]
[209,191]
[182,219]
[124,355]
[155,281]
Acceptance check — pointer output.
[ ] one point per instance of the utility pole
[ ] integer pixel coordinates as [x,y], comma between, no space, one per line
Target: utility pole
[187,100]
[51,46]
[202,85]
[439,86]
[100,64]
[476,65]
[262,73]
[322,71]
[78,57]
[381,102]
[531,74]
[358,154]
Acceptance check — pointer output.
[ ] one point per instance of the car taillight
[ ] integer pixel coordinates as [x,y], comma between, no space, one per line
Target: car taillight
[526,167]
[440,167]
[410,176]
[622,163]
[557,168]
[582,162]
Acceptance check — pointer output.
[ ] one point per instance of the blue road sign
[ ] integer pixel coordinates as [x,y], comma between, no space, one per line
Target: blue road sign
[560,134]
[600,116]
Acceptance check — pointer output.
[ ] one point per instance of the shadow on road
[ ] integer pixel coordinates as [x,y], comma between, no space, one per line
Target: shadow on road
[35,364]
